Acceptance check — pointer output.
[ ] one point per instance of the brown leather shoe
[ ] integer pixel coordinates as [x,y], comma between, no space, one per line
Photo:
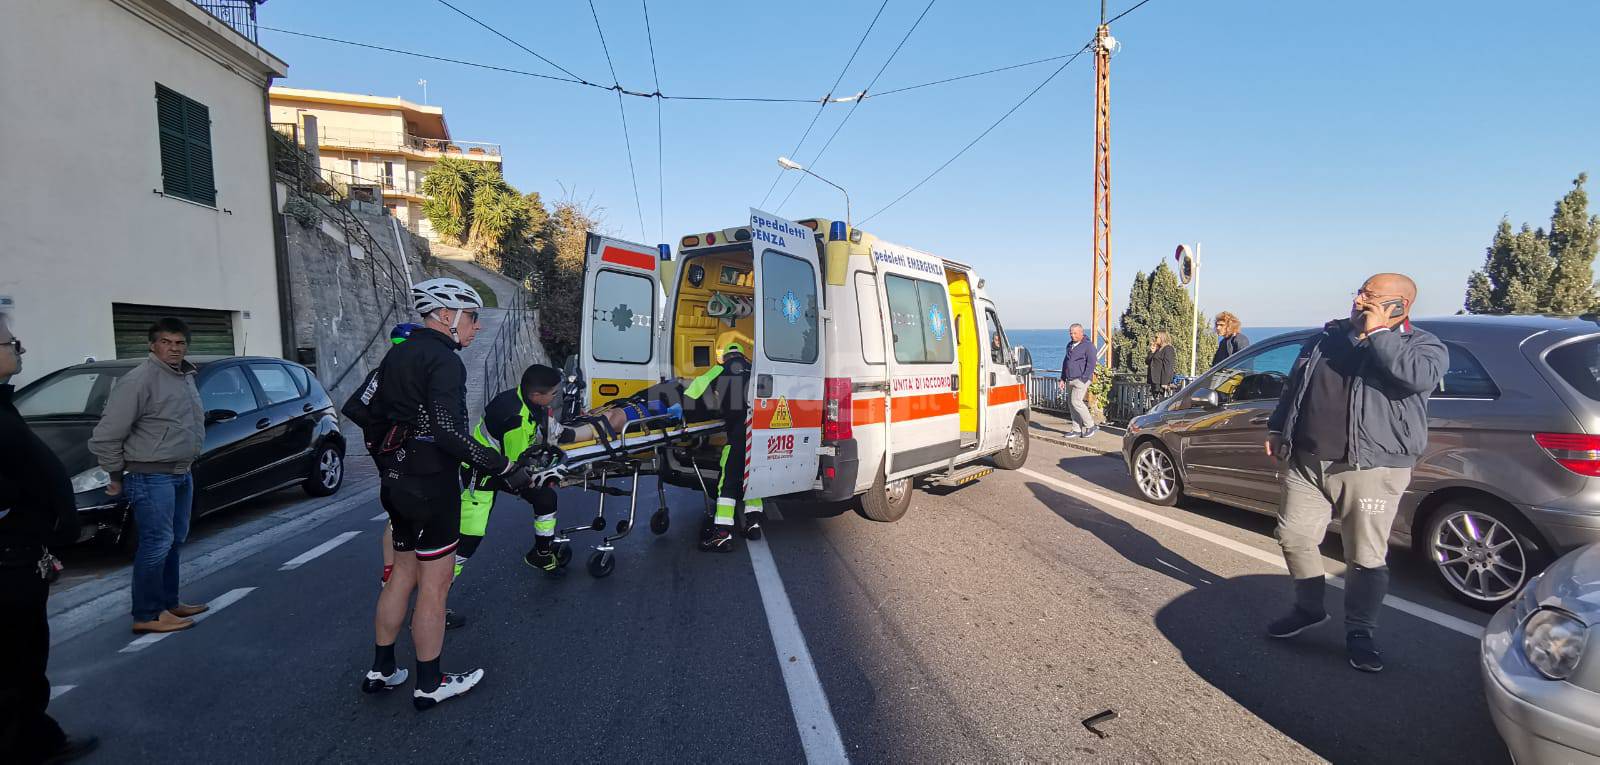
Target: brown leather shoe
[166,622]
[185,610]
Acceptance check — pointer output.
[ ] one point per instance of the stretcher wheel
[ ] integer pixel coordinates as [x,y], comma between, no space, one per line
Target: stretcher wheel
[623,526]
[598,524]
[660,522]
[601,564]
[563,554]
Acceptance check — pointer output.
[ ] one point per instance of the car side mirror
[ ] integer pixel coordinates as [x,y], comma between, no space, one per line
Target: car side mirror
[1023,359]
[220,415]
[1205,397]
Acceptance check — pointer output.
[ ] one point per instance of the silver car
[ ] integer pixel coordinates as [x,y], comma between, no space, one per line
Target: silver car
[1509,481]
[1540,669]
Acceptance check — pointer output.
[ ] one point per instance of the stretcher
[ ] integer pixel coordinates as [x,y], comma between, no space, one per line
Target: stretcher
[639,448]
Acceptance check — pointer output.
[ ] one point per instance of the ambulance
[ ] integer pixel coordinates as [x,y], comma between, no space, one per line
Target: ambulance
[874,366]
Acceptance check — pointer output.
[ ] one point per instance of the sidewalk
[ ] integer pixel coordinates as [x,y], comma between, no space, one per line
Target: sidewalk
[1057,430]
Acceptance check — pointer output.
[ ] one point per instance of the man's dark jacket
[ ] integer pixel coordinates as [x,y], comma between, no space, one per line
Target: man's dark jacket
[33,485]
[1399,369]
[1080,361]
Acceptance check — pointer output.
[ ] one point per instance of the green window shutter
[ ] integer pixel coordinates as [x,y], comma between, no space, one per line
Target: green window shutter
[174,143]
[197,125]
[186,166]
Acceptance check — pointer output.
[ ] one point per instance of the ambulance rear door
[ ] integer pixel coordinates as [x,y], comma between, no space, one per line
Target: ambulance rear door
[787,361]
[622,309]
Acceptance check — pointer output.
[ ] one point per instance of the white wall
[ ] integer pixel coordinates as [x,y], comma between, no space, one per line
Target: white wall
[81,226]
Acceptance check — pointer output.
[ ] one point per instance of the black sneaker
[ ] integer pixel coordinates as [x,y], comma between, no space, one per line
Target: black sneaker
[73,748]
[377,682]
[1363,652]
[752,524]
[450,686]
[1296,622]
[719,540]
[453,620]
[1091,431]
[546,562]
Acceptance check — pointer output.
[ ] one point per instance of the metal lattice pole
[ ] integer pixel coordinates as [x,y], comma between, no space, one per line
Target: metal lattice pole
[1100,332]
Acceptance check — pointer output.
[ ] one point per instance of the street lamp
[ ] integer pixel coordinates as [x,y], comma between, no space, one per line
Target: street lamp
[789,164]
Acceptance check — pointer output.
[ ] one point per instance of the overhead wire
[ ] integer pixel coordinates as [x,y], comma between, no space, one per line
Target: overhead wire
[627,141]
[661,177]
[826,99]
[498,33]
[981,136]
[538,75]
[856,104]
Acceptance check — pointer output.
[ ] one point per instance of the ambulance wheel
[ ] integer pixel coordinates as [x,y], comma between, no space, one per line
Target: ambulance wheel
[886,501]
[1015,455]
[563,554]
[601,564]
[659,522]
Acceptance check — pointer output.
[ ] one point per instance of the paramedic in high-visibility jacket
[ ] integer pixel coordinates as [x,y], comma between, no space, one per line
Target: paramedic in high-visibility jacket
[514,422]
[724,390]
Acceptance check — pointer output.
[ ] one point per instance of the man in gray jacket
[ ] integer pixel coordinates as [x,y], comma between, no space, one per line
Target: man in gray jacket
[1350,424]
[150,435]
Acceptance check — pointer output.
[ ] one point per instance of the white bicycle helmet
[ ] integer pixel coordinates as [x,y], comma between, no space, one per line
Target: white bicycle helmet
[434,294]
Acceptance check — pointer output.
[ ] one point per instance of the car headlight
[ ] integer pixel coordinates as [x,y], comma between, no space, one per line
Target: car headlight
[1553,642]
[89,480]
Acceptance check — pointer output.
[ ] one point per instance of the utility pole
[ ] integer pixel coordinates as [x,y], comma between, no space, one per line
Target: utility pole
[1100,333]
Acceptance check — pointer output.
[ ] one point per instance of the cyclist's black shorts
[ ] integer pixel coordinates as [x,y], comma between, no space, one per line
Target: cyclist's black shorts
[425,512]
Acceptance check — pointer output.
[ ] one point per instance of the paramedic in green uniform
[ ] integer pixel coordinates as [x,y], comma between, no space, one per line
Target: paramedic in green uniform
[724,389]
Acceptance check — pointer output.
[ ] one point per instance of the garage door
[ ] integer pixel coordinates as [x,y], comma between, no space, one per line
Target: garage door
[211,331]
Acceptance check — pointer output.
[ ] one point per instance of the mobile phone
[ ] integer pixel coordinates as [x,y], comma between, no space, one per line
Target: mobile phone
[1397,307]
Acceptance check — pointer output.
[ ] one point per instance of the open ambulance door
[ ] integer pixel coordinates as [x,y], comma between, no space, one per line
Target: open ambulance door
[622,309]
[787,361]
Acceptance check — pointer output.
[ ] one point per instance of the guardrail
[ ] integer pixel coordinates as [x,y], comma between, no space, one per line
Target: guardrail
[239,14]
[1129,397]
[515,347]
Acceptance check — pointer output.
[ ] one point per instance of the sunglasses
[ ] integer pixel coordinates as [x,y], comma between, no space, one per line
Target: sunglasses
[16,346]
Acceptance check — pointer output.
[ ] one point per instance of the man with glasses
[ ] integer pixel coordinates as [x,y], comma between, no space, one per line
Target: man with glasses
[1350,424]
[152,431]
[36,509]
[421,411]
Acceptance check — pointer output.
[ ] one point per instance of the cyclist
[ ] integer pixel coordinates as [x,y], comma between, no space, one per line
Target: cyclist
[423,401]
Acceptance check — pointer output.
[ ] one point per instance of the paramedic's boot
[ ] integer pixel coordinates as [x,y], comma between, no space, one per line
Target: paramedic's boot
[752,523]
[719,540]
[545,560]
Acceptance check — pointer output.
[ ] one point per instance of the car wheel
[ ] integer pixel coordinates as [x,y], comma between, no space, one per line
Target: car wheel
[886,501]
[327,471]
[1155,474]
[1015,455]
[1483,552]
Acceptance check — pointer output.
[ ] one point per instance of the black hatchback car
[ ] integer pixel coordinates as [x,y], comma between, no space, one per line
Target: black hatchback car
[269,425]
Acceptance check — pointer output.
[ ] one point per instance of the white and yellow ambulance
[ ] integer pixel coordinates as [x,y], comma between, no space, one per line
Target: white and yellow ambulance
[873,365]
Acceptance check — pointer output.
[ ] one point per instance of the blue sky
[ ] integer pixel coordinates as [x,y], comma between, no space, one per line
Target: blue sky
[1305,145]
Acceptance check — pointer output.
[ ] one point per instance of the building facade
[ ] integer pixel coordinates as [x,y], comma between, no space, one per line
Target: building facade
[137,180]
[376,146]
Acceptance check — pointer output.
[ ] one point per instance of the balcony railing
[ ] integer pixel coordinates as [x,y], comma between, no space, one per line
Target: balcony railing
[388,140]
[239,14]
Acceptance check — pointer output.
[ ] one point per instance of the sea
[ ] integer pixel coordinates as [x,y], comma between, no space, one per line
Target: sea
[1049,346]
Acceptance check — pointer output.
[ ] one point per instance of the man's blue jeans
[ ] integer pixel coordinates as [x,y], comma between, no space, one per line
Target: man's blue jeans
[161,504]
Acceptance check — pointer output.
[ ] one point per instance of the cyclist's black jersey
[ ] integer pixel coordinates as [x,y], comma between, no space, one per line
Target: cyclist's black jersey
[425,387]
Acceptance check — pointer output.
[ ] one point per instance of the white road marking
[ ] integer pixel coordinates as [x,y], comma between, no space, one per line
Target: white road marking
[383,516]
[57,690]
[1418,610]
[316,552]
[217,604]
[819,734]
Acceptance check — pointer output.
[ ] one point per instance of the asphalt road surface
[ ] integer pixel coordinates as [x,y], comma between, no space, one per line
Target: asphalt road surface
[984,626]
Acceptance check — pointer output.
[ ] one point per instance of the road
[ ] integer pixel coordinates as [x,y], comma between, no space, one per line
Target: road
[984,626]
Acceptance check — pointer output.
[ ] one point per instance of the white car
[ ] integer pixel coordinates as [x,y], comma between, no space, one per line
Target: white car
[1540,673]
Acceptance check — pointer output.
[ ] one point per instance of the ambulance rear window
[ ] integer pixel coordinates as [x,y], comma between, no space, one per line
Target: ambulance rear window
[789,308]
[624,305]
[918,314]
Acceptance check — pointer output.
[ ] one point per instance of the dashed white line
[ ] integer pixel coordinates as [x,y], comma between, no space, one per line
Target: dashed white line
[217,604]
[819,733]
[57,690]
[383,516]
[1418,610]
[315,552]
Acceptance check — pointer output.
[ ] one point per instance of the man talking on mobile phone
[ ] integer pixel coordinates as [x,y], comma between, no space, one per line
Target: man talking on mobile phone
[1350,425]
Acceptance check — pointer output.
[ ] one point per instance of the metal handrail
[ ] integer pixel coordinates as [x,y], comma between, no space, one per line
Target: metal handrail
[238,14]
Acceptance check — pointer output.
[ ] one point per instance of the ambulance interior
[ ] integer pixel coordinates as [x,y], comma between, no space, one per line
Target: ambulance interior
[715,307]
